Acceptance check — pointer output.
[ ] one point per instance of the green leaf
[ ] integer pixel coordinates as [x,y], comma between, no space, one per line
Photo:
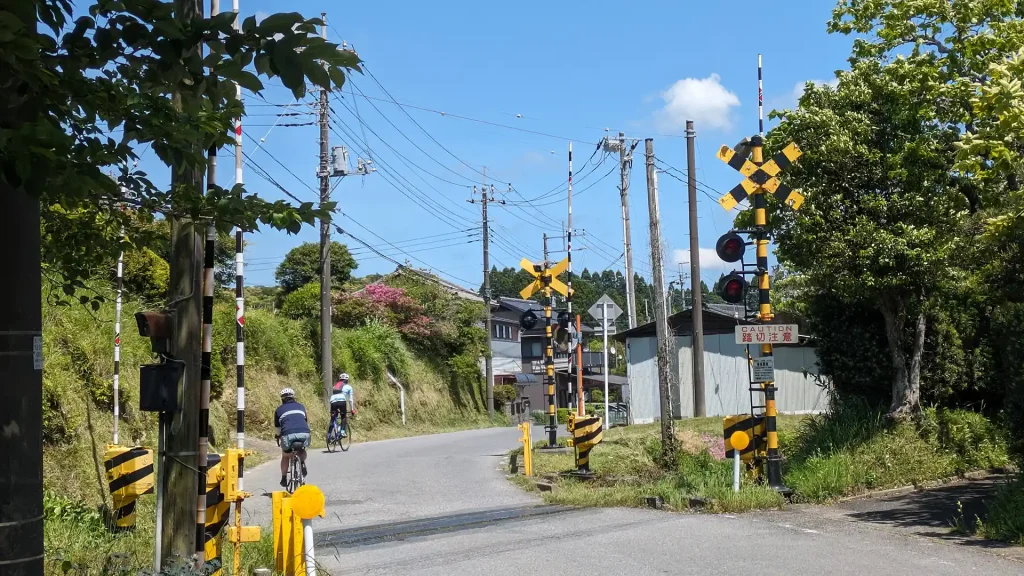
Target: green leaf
[315,72]
[289,65]
[249,25]
[245,79]
[169,28]
[278,23]
[337,76]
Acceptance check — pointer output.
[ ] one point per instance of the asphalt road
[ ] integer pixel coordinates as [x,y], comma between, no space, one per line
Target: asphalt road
[441,505]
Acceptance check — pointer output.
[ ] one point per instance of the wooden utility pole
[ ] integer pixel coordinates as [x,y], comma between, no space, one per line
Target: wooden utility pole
[186,294]
[666,347]
[696,308]
[625,163]
[326,353]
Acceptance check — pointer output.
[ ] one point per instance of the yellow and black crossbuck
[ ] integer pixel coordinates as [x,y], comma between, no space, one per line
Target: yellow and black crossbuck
[764,177]
[129,475]
[587,432]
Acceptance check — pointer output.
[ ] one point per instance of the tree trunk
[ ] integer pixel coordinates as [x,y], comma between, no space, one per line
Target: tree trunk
[906,380]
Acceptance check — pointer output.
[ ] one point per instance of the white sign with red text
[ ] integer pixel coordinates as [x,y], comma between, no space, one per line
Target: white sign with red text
[767,334]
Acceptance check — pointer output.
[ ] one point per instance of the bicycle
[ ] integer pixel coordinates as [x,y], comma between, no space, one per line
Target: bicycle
[335,438]
[295,478]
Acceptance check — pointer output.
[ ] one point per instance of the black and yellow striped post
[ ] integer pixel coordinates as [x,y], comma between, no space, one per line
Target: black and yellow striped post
[761,178]
[129,475]
[774,458]
[546,279]
[586,432]
[217,513]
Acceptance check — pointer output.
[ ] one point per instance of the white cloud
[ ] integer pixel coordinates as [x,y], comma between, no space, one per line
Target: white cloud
[798,89]
[703,100]
[709,260]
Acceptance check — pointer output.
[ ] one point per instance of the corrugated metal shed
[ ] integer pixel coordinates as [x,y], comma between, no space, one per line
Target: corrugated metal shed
[725,371]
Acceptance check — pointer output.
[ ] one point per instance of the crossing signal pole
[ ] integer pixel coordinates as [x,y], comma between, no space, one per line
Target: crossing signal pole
[546,279]
[761,178]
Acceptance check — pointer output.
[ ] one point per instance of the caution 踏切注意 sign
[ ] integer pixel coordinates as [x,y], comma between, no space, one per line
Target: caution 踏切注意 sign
[767,334]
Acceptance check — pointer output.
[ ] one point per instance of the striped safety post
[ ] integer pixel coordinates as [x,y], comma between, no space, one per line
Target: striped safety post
[204,394]
[129,475]
[754,428]
[217,513]
[587,432]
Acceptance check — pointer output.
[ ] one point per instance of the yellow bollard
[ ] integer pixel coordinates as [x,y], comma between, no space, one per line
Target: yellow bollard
[278,506]
[293,533]
[527,448]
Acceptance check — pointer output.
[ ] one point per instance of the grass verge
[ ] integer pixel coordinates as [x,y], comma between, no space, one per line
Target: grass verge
[627,471]
[852,449]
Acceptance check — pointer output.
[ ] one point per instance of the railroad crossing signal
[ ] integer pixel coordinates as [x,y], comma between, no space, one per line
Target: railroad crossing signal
[544,277]
[758,178]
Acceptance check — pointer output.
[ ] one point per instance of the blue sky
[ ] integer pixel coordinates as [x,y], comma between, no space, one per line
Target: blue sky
[565,69]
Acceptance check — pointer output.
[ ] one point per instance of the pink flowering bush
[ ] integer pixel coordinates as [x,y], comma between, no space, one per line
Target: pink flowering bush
[387,304]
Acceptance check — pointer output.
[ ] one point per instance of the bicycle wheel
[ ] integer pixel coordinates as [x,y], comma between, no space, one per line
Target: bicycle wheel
[295,475]
[332,434]
[345,442]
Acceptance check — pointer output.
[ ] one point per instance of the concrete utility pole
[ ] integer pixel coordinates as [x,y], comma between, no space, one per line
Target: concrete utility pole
[178,534]
[625,163]
[326,353]
[485,198]
[697,348]
[666,347]
[21,368]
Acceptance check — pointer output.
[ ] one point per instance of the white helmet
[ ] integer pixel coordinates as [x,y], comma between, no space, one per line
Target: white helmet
[287,392]
[344,376]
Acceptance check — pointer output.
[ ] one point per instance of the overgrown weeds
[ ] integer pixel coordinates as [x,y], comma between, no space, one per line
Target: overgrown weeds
[855,448]
[851,449]
[1005,517]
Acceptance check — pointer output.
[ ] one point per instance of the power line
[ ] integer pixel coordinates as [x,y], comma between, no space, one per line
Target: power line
[417,146]
[386,257]
[477,120]
[384,170]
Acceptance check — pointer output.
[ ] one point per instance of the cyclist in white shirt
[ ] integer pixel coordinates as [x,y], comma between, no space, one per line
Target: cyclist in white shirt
[342,401]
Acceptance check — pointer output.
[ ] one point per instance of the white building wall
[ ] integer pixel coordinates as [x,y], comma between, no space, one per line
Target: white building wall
[725,379]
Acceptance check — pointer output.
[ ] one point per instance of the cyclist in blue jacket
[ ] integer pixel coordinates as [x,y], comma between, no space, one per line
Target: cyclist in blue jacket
[292,426]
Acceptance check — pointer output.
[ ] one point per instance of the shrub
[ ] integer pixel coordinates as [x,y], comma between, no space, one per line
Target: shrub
[597,396]
[974,440]
[370,351]
[505,394]
[302,303]
[1005,519]
[563,415]
[539,417]
[146,275]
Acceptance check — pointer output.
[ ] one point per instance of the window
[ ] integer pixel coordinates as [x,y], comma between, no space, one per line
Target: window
[502,331]
[535,350]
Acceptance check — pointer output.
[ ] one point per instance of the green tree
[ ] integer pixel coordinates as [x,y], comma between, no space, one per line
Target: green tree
[302,265]
[124,75]
[881,222]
